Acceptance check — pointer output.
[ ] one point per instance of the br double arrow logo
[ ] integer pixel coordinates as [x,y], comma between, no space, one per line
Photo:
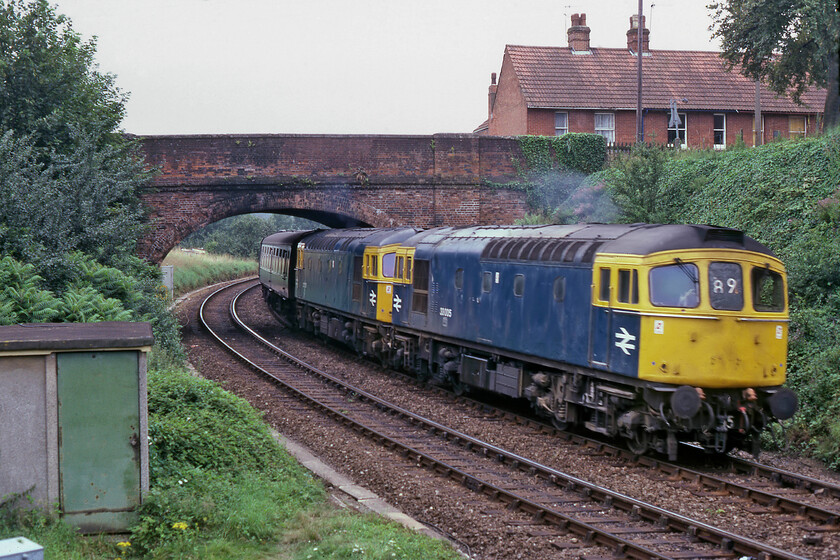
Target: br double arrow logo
[623,340]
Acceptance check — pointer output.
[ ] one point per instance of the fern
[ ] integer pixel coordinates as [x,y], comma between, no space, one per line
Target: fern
[83,304]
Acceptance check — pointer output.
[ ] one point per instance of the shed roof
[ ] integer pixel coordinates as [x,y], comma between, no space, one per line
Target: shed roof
[606,78]
[75,336]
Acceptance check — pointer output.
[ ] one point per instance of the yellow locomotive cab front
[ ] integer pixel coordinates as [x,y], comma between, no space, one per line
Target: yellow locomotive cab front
[714,319]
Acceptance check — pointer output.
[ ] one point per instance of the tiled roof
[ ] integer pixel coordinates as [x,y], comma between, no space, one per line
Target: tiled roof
[482,127]
[557,78]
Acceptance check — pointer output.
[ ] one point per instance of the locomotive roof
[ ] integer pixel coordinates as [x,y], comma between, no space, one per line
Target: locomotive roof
[286,237]
[572,242]
[344,238]
[512,242]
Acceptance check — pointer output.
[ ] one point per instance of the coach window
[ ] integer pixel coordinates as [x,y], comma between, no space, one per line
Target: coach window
[300,256]
[768,290]
[604,292]
[725,286]
[519,285]
[459,279]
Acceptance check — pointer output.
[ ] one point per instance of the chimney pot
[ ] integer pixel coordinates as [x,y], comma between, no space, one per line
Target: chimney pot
[491,95]
[633,35]
[578,34]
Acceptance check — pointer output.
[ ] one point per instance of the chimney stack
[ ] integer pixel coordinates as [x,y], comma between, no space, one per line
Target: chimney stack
[633,35]
[491,96]
[578,34]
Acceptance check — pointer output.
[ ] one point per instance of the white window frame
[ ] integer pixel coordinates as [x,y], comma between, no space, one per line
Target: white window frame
[607,132]
[721,146]
[681,129]
[561,130]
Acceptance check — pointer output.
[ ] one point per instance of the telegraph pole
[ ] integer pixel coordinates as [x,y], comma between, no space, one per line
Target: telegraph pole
[640,134]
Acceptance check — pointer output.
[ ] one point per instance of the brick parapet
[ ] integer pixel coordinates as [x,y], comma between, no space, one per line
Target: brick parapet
[289,158]
[425,181]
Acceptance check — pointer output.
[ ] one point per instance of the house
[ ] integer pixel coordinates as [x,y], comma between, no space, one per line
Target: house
[580,88]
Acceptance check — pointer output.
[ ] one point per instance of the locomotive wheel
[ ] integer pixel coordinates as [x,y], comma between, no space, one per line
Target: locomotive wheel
[638,442]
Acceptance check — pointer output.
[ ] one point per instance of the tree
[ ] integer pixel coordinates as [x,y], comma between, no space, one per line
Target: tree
[69,182]
[50,81]
[68,178]
[790,45]
[635,185]
[240,236]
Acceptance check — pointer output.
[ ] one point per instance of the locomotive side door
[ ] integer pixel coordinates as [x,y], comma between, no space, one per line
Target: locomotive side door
[379,269]
[600,325]
[384,301]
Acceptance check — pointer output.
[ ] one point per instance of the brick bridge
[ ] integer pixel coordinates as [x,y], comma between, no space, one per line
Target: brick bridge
[423,181]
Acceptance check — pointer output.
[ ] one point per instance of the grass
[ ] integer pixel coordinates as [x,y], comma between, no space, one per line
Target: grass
[222,488]
[195,270]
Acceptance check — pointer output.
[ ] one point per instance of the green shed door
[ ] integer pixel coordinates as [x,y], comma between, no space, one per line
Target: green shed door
[99,427]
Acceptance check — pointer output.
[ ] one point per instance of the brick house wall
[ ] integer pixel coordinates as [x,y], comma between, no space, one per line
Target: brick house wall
[582,79]
[510,111]
[700,125]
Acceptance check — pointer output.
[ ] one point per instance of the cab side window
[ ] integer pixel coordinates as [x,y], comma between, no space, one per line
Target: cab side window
[628,286]
[604,291]
[768,290]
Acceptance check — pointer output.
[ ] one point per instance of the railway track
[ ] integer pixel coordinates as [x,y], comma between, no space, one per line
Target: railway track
[594,515]
[768,488]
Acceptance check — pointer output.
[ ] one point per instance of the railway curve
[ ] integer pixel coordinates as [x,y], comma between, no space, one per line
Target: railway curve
[558,534]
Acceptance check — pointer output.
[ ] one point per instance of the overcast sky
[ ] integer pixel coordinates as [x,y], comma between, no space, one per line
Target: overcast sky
[339,66]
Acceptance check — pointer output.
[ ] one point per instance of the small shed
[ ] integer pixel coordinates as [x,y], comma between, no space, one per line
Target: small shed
[73,419]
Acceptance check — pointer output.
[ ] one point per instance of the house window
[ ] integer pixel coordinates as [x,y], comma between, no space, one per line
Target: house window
[679,130]
[605,125]
[561,123]
[720,131]
[798,127]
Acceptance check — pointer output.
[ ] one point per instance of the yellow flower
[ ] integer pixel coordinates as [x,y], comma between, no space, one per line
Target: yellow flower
[180,525]
[123,544]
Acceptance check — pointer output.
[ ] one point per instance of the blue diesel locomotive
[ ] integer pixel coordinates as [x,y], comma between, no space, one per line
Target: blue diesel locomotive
[652,333]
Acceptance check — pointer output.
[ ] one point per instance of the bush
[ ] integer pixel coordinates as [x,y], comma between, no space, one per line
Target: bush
[216,471]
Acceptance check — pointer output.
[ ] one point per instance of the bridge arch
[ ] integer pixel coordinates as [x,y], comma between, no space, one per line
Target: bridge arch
[340,181]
